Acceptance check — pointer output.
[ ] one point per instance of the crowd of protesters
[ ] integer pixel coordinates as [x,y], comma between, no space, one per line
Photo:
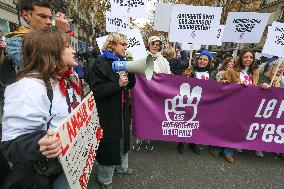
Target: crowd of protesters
[41,81]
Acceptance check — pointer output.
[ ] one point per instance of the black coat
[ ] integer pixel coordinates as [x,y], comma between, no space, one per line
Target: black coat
[108,97]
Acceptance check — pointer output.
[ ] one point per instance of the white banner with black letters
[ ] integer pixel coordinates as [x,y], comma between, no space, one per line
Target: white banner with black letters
[116,23]
[245,27]
[274,44]
[135,8]
[194,23]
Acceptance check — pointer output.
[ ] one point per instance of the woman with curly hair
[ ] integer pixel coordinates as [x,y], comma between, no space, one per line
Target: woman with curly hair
[111,92]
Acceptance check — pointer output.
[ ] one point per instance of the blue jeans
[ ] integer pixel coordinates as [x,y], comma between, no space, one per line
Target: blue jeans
[105,173]
[61,182]
[226,151]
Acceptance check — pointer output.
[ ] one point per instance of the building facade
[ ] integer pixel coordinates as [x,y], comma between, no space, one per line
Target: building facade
[9,20]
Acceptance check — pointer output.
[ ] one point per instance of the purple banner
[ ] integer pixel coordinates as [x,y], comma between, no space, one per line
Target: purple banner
[176,108]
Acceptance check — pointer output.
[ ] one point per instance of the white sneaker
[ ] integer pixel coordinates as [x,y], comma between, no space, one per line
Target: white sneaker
[238,150]
[259,153]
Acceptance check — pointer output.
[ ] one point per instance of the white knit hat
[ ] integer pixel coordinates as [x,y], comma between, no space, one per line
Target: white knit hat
[154,38]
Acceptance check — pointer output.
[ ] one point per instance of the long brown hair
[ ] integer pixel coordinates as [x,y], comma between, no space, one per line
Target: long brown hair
[239,65]
[42,54]
[224,66]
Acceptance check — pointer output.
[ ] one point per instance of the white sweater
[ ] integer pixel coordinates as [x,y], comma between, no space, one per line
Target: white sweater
[26,108]
[161,64]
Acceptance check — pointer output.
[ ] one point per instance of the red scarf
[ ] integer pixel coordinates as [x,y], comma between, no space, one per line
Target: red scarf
[67,77]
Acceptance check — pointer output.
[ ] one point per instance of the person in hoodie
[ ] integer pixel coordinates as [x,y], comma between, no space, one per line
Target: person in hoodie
[200,70]
[111,92]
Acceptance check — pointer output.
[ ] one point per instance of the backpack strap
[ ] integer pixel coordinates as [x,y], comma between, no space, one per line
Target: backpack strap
[49,92]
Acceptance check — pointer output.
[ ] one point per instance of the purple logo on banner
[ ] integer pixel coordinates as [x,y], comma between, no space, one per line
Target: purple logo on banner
[175,108]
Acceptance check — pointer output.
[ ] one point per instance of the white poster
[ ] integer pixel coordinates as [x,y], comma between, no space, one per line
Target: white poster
[216,38]
[80,135]
[101,41]
[245,27]
[134,8]
[163,17]
[135,44]
[274,44]
[194,23]
[116,22]
[190,46]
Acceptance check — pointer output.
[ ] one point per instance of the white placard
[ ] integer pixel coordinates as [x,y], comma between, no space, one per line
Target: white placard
[190,46]
[194,23]
[245,27]
[274,44]
[80,135]
[216,38]
[101,41]
[135,44]
[134,8]
[116,23]
[163,17]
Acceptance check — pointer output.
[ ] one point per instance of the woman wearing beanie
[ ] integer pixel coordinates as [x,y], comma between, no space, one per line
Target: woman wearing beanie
[201,70]
[161,65]
[245,72]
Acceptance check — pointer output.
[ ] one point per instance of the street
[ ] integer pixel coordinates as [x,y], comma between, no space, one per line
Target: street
[164,168]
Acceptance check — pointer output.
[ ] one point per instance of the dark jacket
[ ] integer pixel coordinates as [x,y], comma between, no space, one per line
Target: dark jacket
[178,65]
[7,75]
[22,152]
[114,121]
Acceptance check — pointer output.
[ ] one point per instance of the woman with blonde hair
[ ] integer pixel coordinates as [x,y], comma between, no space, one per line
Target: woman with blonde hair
[45,93]
[111,92]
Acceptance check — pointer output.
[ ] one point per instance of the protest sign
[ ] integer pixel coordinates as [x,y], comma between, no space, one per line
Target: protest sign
[206,112]
[135,44]
[216,38]
[101,41]
[190,46]
[163,17]
[116,23]
[274,44]
[194,23]
[134,8]
[245,27]
[80,135]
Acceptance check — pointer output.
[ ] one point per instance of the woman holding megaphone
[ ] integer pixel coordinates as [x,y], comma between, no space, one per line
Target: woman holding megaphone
[112,97]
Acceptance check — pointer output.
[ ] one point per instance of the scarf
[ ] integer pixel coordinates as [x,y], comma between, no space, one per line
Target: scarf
[109,55]
[69,78]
